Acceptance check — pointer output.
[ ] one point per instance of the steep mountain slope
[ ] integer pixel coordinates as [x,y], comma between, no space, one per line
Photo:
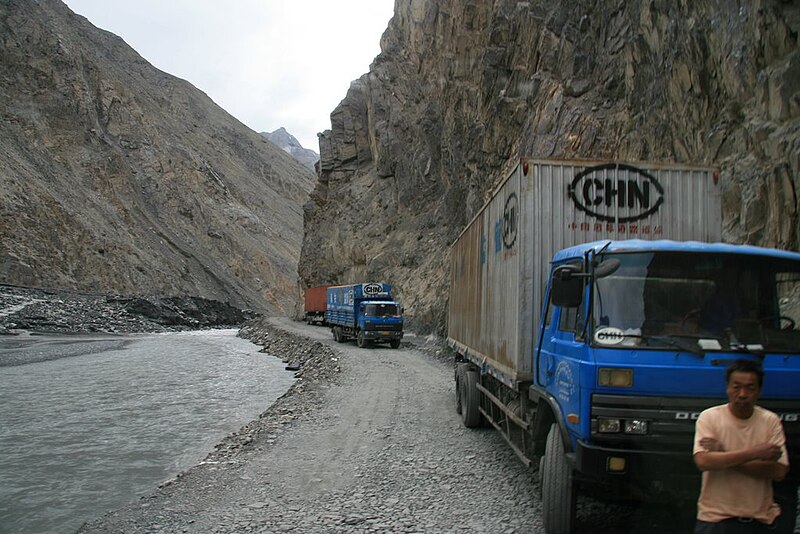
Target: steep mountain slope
[289,144]
[462,86]
[117,177]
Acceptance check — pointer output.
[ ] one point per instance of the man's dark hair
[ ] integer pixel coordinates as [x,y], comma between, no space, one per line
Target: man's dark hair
[745,366]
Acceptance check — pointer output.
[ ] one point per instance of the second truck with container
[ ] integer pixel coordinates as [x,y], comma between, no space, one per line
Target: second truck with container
[364,312]
[593,312]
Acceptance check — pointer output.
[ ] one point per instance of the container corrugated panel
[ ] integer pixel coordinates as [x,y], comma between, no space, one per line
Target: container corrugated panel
[340,305]
[315,298]
[500,262]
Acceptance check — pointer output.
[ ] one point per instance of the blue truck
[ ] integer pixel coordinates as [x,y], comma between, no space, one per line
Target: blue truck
[592,314]
[364,312]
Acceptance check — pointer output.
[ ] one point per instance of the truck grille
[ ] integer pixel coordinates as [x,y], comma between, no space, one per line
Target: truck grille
[393,327]
[671,421]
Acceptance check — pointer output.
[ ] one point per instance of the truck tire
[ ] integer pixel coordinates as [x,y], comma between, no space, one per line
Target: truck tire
[362,341]
[539,474]
[459,378]
[558,489]
[395,343]
[470,399]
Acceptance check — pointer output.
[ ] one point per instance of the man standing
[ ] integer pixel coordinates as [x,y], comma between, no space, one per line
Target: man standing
[741,449]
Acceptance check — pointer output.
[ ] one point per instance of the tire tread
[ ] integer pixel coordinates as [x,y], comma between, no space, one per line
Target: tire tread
[558,491]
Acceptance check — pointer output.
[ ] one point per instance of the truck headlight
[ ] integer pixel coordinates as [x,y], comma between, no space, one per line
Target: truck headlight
[615,377]
[636,426]
[608,426]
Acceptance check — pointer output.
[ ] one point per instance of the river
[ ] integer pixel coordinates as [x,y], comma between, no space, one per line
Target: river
[96,422]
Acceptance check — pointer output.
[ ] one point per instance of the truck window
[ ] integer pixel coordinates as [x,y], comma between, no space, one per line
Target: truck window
[572,320]
[380,310]
[788,287]
[735,299]
[548,318]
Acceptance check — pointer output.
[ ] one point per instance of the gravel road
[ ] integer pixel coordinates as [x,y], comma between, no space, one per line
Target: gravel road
[367,440]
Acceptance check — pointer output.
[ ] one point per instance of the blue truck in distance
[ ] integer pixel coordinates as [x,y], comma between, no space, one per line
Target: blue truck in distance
[364,312]
[592,314]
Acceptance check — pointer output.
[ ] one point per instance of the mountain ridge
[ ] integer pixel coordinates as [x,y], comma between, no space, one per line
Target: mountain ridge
[289,144]
[118,177]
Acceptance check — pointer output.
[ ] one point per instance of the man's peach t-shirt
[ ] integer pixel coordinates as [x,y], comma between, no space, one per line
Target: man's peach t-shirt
[728,493]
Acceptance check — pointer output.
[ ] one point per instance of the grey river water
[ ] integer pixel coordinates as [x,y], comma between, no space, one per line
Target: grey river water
[87,433]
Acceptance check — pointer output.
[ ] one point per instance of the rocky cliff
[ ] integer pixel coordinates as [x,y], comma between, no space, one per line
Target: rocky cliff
[117,177]
[462,86]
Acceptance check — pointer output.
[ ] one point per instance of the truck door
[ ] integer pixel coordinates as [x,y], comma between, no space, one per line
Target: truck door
[562,349]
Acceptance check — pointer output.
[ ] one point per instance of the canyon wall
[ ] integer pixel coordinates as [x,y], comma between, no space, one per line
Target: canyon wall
[462,87]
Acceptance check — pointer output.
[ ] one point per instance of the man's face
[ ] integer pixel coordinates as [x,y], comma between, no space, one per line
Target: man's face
[743,392]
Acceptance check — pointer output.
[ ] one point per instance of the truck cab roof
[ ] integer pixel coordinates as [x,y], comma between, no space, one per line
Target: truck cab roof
[665,245]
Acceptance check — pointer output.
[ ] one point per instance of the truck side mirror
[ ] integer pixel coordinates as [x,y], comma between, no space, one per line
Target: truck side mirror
[566,286]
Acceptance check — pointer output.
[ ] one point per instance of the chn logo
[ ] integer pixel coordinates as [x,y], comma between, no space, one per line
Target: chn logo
[510,220]
[616,192]
[373,290]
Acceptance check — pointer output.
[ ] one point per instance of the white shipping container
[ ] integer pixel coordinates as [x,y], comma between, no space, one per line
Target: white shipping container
[500,262]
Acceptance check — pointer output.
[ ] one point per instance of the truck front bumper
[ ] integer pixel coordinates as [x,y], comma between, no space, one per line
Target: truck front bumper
[382,335]
[655,472]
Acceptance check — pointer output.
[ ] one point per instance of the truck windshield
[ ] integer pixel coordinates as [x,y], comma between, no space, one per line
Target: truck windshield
[665,300]
[380,310]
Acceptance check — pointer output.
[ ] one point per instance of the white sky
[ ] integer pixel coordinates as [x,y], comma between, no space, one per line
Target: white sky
[269,63]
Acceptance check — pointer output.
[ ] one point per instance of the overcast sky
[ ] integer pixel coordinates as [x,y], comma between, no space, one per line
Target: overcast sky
[269,63]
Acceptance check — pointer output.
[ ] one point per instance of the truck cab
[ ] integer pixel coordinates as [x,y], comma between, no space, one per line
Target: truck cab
[380,320]
[634,340]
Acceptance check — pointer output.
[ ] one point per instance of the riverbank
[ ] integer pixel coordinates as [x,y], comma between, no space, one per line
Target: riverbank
[41,310]
[318,368]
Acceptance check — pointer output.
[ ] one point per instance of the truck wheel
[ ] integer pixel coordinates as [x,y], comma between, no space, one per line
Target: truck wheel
[558,489]
[395,343]
[470,399]
[362,342]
